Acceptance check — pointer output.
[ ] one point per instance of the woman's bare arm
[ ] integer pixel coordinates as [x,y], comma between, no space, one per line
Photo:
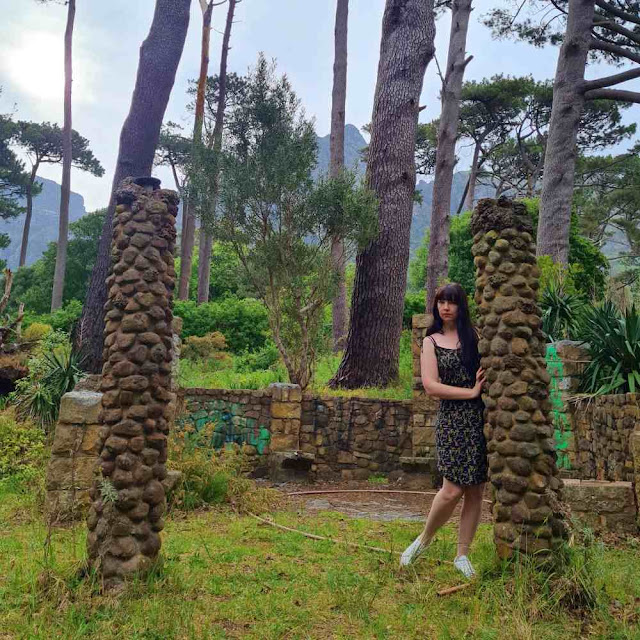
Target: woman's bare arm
[431,380]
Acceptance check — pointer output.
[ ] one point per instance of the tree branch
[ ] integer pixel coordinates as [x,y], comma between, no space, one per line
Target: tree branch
[609,8]
[614,94]
[608,81]
[614,49]
[616,28]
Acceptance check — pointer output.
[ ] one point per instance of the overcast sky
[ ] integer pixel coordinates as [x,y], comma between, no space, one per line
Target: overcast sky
[297,33]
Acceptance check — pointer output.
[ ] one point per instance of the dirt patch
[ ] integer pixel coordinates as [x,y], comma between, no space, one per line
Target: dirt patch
[362,500]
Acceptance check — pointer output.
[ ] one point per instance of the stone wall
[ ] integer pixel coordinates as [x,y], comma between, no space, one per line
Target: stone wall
[239,416]
[603,429]
[602,506]
[355,436]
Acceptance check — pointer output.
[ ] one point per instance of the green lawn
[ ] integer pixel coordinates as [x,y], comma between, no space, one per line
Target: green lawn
[228,576]
[208,374]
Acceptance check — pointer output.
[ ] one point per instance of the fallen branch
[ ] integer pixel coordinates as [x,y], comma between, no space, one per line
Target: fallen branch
[450,590]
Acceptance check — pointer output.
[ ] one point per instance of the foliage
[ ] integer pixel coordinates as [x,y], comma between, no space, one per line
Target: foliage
[43,143]
[210,477]
[54,369]
[260,360]
[562,310]
[33,284]
[242,321]
[278,222]
[413,305]
[36,331]
[22,446]
[613,341]
[588,265]
[208,346]
[461,266]
[62,319]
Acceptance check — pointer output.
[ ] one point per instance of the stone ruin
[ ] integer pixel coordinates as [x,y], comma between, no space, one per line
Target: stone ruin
[128,497]
[518,425]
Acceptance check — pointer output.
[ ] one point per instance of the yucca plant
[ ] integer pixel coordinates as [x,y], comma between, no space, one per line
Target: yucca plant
[614,347]
[562,311]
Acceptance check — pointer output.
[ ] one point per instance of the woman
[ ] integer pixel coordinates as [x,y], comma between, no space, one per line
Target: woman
[450,368]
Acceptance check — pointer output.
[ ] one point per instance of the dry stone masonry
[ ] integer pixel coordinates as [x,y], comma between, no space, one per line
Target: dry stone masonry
[522,457]
[126,515]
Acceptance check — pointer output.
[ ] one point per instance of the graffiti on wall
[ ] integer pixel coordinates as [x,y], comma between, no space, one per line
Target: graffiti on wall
[561,423]
[220,424]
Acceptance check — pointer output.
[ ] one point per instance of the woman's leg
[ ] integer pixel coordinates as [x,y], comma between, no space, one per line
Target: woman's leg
[469,517]
[441,508]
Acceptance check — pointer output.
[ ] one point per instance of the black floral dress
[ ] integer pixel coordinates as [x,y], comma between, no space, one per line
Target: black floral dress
[460,443]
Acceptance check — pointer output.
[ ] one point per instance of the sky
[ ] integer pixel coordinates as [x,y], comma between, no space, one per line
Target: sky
[298,34]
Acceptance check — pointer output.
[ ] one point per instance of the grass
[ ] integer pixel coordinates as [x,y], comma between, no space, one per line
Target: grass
[205,374]
[228,576]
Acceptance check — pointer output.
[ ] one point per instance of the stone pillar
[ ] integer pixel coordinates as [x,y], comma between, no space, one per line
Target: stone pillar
[73,455]
[129,499]
[634,450]
[522,456]
[286,414]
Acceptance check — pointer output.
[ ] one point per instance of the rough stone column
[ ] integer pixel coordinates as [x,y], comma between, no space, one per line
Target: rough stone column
[286,414]
[518,426]
[129,500]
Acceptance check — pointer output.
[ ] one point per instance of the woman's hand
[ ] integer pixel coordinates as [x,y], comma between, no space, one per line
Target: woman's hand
[480,380]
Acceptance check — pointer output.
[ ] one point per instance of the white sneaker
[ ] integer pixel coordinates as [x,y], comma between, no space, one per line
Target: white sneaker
[462,564]
[412,552]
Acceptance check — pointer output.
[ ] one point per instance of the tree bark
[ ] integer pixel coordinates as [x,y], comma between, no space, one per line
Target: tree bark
[65,192]
[27,219]
[160,54]
[560,161]
[373,342]
[336,164]
[206,242]
[473,178]
[438,262]
[186,250]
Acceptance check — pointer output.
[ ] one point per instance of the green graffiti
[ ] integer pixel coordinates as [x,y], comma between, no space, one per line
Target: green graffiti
[228,427]
[561,424]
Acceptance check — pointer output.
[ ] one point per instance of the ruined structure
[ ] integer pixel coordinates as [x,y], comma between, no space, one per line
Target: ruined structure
[128,498]
[522,456]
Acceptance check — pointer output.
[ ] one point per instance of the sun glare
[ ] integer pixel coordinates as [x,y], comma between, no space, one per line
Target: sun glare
[35,65]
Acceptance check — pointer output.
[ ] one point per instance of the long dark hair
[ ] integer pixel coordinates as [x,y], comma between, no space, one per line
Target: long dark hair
[467,335]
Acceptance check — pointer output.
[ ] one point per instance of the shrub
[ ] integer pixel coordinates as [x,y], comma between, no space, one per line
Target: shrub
[208,346]
[562,311]
[62,319]
[212,477]
[614,347]
[36,331]
[242,321]
[260,360]
[54,369]
[22,449]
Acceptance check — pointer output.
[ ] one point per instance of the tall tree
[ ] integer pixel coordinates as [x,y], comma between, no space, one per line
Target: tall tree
[206,239]
[336,163]
[446,148]
[44,144]
[587,30]
[373,342]
[189,220]
[160,54]
[65,192]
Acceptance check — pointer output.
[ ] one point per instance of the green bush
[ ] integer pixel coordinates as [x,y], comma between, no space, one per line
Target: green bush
[260,360]
[22,446]
[210,345]
[562,310]
[63,319]
[54,369]
[413,305]
[36,331]
[614,348]
[242,321]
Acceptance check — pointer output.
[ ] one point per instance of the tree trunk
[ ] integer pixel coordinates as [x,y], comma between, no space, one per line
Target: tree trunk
[336,164]
[186,250]
[65,192]
[206,243]
[160,54]
[560,161]
[438,262]
[373,342]
[27,219]
[473,178]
